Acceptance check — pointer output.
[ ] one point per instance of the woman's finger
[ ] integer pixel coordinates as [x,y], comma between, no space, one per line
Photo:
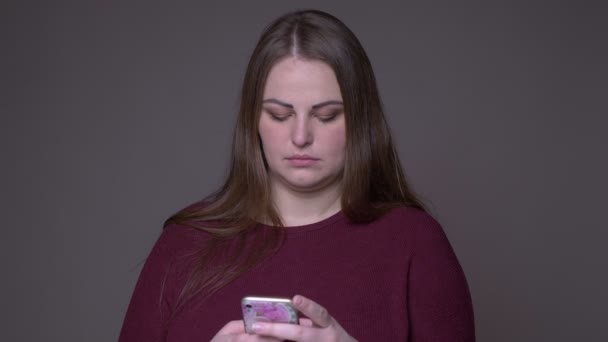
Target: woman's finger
[234,331]
[284,331]
[312,310]
[232,327]
[265,338]
[306,322]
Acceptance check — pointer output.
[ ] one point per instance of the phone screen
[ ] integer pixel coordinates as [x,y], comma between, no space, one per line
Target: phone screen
[267,309]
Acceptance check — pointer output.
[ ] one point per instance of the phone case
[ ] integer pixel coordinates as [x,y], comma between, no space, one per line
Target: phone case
[267,309]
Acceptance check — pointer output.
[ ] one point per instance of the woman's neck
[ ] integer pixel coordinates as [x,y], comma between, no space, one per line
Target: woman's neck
[300,208]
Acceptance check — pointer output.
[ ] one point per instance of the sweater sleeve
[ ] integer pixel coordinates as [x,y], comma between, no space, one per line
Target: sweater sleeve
[150,306]
[440,303]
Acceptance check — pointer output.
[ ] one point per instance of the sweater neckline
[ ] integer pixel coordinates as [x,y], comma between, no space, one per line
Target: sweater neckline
[311,226]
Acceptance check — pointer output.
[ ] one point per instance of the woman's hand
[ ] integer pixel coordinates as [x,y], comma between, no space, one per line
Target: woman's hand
[319,326]
[234,331]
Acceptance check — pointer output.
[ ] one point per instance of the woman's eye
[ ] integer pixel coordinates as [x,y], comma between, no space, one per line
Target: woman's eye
[278,117]
[328,117]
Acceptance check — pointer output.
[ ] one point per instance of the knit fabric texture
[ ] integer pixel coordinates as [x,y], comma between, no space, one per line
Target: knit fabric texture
[394,279]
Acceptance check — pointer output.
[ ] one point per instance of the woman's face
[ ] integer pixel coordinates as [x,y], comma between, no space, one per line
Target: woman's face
[302,125]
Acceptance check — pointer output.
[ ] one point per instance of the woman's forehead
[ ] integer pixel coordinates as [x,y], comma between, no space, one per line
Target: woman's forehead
[302,82]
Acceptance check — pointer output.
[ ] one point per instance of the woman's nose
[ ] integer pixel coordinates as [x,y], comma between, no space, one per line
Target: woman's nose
[302,134]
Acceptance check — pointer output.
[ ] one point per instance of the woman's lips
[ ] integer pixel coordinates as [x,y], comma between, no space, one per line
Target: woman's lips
[302,160]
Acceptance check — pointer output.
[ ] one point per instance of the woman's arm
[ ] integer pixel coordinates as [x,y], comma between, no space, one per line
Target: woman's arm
[150,307]
[439,299]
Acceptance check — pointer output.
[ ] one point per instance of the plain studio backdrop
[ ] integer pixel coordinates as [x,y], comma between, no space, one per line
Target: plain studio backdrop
[115,115]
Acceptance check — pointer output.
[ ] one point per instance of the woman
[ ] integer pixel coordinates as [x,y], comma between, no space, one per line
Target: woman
[315,205]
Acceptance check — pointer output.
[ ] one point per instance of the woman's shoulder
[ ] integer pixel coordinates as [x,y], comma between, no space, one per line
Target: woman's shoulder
[413,223]
[177,240]
[410,216]
[180,233]
[183,235]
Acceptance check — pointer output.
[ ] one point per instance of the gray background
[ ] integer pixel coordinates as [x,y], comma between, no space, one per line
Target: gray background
[116,115]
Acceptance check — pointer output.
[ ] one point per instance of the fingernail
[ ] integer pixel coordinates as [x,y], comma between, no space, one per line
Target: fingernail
[257,327]
[297,300]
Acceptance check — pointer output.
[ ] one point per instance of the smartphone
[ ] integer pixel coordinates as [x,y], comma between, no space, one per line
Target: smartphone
[267,309]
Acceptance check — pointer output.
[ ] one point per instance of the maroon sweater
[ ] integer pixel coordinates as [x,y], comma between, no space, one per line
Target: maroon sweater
[395,279]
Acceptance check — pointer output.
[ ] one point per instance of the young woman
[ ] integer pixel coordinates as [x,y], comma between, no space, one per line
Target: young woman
[315,208]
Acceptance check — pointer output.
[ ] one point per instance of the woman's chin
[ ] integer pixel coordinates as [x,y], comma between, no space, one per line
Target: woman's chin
[308,185]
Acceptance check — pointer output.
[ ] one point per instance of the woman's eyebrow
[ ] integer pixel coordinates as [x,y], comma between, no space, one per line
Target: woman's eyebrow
[281,103]
[327,103]
[316,106]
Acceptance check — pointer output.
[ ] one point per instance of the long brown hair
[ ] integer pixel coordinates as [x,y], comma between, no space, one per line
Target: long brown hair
[373,180]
